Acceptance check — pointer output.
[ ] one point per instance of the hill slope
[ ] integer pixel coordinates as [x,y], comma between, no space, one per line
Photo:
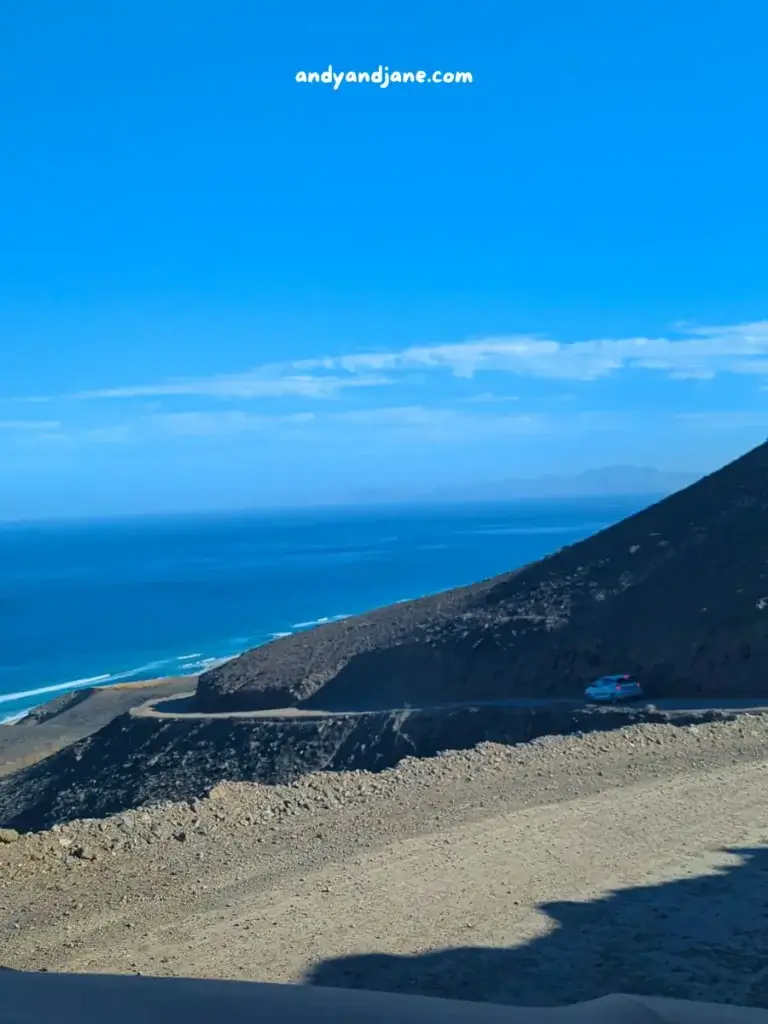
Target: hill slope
[677,593]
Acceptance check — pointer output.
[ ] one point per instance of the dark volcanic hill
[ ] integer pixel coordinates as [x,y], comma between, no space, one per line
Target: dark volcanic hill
[677,593]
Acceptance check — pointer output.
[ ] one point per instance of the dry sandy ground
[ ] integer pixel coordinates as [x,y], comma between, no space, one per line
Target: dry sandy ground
[539,874]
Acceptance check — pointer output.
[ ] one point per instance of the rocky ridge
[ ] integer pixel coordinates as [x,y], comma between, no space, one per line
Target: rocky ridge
[141,759]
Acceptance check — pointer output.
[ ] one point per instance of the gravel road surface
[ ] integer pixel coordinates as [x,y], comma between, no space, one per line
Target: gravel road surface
[544,873]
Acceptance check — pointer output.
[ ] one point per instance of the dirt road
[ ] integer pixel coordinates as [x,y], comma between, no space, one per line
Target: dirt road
[540,874]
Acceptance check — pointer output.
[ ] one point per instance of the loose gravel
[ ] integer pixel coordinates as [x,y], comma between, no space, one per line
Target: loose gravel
[430,876]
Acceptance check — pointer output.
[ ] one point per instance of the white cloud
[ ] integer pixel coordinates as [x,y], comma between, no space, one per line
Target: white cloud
[419,422]
[700,352]
[489,398]
[118,434]
[238,421]
[721,419]
[192,424]
[30,425]
[397,416]
[422,423]
[199,424]
[440,424]
[264,382]
[406,422]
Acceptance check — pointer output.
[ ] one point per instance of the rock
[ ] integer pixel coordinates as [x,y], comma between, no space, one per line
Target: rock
[611,603]
[8,835]
[83,853]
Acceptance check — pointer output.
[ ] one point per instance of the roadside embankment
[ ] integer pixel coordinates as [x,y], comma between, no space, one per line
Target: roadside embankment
[147,756]
[540,873]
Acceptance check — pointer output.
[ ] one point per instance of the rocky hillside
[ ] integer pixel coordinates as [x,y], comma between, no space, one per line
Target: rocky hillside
[141,759]
[677,593]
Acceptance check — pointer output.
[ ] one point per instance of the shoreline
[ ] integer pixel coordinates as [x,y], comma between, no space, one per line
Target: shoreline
[60,691]
[73,716]
[198,665]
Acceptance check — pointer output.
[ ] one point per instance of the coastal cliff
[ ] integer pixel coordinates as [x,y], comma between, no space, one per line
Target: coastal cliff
[677,593]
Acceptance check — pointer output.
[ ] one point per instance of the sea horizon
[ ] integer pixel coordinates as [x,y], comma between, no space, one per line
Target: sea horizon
[343,507]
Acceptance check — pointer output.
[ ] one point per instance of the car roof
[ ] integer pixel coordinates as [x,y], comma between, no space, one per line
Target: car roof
[611,679]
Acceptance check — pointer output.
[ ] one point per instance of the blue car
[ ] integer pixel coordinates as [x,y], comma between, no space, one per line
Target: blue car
[612,689]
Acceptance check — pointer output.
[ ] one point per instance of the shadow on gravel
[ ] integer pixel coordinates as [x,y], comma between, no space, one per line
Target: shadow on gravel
[699,938]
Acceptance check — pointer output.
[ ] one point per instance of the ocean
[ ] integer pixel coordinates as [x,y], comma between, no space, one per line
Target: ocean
[90,603]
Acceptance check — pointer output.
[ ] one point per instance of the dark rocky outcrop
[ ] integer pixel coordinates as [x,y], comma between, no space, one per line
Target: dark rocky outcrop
[677,593]
[141,759]
[59,706]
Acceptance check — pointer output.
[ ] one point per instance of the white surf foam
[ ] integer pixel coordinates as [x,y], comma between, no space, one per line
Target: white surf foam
[17,717]
[182,665]
[38,696]
[73,684]
[320,622]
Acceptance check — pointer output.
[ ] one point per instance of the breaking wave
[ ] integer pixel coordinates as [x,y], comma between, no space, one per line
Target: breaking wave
[18,704]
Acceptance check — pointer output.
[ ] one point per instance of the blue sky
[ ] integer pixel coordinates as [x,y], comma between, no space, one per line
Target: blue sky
[222,288]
